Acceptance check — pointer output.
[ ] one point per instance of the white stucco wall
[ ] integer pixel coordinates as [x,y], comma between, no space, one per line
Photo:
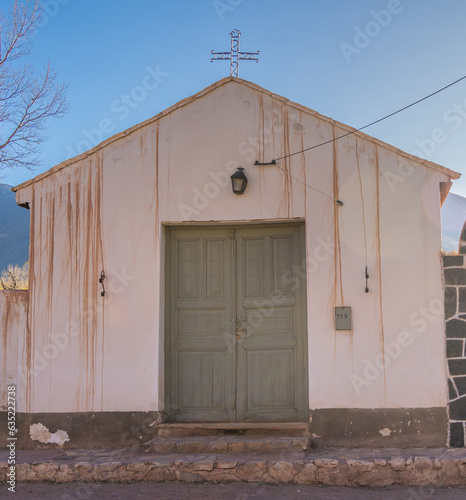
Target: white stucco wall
[107,209]
[13,333]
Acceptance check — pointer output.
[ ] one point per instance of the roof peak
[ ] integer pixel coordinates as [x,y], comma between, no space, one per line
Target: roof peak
[212,87]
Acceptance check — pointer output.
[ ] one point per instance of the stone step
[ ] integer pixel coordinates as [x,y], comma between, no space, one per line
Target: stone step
[271,429]
[227,444]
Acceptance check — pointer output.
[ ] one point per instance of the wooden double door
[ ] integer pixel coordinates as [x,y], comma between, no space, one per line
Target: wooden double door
[236,346]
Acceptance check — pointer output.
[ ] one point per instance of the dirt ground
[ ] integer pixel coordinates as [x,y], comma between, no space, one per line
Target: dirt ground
[234,491]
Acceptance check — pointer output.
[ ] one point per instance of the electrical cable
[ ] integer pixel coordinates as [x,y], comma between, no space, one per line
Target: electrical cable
[273,162]
[309,186]
[372,123]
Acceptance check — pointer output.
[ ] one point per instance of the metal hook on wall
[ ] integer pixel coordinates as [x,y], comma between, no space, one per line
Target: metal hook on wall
[101,281]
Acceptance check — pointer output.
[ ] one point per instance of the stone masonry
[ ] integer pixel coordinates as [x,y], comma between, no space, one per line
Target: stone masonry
[455,316]
[337,467]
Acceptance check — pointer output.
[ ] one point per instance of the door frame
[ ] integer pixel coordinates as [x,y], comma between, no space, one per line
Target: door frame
[302,386]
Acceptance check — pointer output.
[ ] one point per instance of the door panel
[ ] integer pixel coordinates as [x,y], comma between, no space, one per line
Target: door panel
[200,362]
[274,368]
[270,368]
[236,341]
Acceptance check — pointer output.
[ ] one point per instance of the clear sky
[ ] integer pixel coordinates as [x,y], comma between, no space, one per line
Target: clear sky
[352,60]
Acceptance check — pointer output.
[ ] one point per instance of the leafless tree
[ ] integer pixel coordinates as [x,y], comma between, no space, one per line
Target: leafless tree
[14,277]
[27,97]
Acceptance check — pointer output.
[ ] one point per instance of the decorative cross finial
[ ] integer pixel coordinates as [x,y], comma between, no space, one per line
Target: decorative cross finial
[234,55]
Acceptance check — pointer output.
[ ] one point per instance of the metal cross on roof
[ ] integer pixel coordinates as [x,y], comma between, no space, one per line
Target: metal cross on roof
[234,55]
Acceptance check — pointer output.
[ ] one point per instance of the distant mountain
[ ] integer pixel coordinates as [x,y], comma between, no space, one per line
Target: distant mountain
[453,218]
[14,230]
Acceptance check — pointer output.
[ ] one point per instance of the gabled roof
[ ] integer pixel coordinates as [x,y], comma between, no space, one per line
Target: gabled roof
[225,81]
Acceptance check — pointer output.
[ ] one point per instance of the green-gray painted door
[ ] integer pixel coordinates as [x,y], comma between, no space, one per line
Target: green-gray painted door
[236,324]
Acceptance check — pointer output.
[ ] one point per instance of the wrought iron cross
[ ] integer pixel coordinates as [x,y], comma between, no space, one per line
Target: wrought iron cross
[234,55]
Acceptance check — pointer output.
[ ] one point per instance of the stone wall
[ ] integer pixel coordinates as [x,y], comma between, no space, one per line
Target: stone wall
[455,316]
[343,468]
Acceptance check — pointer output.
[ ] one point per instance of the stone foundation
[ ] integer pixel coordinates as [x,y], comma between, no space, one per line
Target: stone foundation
[338,427]
[284,469]
[82,429]
[379,427]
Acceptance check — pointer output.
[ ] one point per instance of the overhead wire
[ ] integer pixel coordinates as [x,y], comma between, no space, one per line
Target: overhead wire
[374,122]
[308,185]
[334,139]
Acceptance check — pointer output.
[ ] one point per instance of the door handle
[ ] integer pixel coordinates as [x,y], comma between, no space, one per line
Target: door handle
[239,326]
[239,330]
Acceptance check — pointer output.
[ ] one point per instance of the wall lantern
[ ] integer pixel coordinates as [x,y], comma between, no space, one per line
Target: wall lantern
[239,181]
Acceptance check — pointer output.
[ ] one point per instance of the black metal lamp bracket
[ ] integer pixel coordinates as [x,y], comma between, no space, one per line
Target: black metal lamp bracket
[101,281]
[273,162]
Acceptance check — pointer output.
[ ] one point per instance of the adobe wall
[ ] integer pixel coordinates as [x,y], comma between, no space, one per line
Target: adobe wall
[13,327]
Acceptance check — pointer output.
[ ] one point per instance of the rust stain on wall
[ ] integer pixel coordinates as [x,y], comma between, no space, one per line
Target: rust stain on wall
[169,154]
[363,209]
[379,270]
[13,323]
[5,325]
[336,225]
[50,242]
[261,148]
[337,251]
[156,194]
[27,356]
[71,245]
[101,256]
[88,337]
[302,170]
[284,177]
[77,215]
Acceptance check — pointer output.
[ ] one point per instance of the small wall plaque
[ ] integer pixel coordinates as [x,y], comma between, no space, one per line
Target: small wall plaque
[343,318]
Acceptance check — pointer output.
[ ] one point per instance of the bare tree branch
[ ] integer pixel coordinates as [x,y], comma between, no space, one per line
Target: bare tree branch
[27,98]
